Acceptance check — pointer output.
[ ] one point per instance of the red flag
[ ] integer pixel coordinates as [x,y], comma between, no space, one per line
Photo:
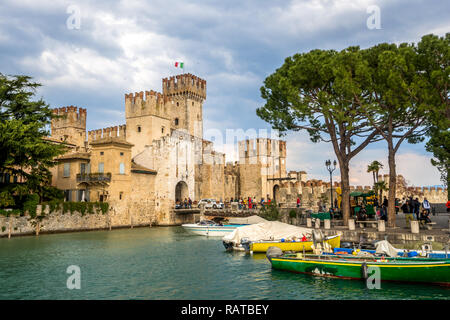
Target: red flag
[176,64]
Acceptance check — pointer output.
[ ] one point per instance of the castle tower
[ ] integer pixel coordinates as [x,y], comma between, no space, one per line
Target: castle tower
[261,161]
[185,95]
[147,119]
[153,115]
[70,126]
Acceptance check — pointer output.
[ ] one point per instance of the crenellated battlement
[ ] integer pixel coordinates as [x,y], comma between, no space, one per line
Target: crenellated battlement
[145,103]
[185,84]
[118,132]
[70,116]
[262,147]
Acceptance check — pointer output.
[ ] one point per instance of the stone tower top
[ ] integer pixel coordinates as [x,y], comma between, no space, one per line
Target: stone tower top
[70,125]
[70,117]
[185,84]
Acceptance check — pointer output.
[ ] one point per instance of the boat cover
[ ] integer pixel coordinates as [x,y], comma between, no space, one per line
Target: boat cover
[384,247]
[247,220]
[269,230]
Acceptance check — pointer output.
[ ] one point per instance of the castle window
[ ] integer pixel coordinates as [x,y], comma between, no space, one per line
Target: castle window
[82,168]
[102,153]
[120,195]
[101,167]
[162,129]
[122,168]
[176,121]
[68,195]
[121,153]
[139,128]
[178,104]
[66,170]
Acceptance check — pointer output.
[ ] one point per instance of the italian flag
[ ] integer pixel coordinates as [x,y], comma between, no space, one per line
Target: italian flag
[179,65]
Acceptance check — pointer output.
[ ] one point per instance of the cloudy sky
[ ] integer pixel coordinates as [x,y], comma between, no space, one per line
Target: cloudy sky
[90,54]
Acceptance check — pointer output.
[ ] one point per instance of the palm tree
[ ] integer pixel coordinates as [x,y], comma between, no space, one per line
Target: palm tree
[375,167]
[380,186]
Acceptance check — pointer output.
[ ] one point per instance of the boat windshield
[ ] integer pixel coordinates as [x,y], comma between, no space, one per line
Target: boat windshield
[206,222]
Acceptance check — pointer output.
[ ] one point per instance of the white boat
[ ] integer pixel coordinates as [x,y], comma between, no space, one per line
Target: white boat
[210,228]
[241,238]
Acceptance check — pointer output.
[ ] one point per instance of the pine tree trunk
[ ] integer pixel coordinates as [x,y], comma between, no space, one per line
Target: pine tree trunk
[345,186]
[392,185]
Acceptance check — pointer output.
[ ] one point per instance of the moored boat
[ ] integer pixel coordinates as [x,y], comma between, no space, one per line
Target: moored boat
[425,270]
[210,228]
[273,231]
[262,246]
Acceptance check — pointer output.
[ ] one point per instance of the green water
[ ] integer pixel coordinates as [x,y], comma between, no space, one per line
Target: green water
[165,263]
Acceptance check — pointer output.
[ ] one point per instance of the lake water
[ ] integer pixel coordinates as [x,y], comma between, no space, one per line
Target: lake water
[166,263]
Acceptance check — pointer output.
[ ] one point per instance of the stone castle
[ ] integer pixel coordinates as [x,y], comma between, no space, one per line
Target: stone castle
[159,156]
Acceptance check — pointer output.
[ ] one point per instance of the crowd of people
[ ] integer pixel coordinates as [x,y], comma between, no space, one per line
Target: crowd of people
[414,210]
[250,203]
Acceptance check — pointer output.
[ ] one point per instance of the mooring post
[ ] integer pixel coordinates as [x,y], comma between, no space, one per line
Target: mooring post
[381,226]
[414,226]
[351,224]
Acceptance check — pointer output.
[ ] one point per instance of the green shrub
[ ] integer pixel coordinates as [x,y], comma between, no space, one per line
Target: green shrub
[30,204]
[270,212]
[6,200]
[293,214]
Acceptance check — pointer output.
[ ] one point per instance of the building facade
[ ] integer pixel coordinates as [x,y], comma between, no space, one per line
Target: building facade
[158,157]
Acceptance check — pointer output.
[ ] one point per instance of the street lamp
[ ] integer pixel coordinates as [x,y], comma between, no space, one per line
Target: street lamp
[330,170]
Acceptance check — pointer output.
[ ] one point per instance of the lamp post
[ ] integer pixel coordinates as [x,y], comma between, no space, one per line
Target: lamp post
[330,170]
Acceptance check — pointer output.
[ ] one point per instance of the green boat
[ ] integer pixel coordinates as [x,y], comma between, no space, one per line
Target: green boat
[424,270]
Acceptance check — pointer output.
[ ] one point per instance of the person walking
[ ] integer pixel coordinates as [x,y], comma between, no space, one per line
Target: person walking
[417,208]
[426,205]
[408,215]
[190,203]
[262,203]
[298,202]
[384,209]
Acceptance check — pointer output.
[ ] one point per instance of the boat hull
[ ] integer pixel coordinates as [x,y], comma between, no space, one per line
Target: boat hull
[210,231]
[261,247]
[435,272]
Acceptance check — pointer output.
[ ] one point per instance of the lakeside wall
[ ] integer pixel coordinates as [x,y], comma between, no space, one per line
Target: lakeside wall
[58,221]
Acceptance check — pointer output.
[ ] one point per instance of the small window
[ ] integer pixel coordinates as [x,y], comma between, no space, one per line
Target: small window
[121,153]
[66,170]
[176,121]
[122,168]
[101,167]
[120,195]
[178,104]
[102,153]
[139,128]
[192,103]
[162,129]
[82,168]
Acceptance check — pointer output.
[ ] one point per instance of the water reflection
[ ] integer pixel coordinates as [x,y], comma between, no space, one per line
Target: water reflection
[165,263]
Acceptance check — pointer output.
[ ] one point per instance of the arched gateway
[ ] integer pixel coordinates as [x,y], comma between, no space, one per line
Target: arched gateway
[181,191]
[276,193]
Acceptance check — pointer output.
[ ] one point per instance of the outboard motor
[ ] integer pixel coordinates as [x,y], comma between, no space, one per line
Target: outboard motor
[273,252]
[317,236]
[245,243]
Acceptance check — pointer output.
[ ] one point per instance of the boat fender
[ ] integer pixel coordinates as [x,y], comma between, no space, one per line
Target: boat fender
[364,272]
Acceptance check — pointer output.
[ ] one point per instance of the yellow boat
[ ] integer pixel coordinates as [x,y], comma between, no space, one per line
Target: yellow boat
[262,246]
